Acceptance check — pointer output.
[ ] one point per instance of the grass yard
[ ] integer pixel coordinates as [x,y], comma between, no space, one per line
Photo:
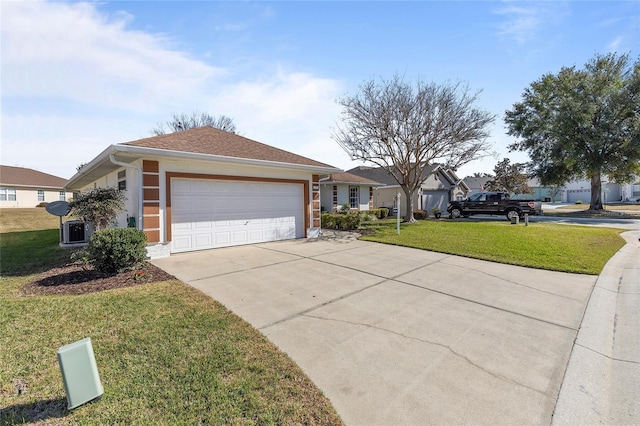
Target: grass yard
[577,249]
[166,353]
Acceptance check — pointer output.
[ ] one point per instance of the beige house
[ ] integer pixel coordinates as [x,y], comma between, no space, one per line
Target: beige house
[339,189]
[206,188]
[28,188]
[439,186]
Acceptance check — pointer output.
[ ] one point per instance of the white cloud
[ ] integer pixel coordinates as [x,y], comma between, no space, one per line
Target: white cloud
[75,80]
[290,110]
[523,21]
[72,52]
[614,46]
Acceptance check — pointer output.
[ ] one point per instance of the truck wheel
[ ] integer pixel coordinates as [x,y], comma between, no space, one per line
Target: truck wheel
[456,213]
[511,214]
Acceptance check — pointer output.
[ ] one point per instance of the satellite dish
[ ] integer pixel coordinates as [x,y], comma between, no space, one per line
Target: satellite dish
[58,208]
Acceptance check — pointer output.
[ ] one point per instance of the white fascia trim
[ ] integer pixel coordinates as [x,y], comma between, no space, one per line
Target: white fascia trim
[141,151]
[100,158]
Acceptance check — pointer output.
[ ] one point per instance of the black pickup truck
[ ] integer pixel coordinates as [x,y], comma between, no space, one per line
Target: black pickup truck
[494,203]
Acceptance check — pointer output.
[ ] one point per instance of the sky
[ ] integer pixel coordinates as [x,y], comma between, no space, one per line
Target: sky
[77,77]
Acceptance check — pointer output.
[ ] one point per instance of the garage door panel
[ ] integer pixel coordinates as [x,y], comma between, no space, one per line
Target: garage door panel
[209,214]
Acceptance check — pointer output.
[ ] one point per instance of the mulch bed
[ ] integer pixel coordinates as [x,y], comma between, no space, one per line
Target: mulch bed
[79,278]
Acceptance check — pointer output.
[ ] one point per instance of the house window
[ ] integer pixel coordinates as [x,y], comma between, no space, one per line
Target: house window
[122,180]
[40,194]
[63,196]
[636,190]
[7,194]
[354,197]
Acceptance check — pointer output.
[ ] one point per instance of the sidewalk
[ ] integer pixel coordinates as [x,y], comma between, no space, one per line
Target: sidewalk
[602,381]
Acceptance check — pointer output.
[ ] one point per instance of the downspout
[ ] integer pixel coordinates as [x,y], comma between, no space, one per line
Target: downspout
[140,200]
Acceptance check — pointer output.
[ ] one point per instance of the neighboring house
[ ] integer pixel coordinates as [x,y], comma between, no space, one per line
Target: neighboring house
[580,190]
[338,189]
[26,188]
[631,192]
[439,186]
[477,184]
[206,188]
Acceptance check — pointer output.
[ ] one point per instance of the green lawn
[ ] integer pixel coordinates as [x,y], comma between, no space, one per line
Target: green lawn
[578,249]
[166,353]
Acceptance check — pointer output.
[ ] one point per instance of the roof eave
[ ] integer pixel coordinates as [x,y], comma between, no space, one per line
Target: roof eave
[77,181]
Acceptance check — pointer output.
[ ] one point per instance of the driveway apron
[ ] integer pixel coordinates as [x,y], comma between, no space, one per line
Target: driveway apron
[394,335]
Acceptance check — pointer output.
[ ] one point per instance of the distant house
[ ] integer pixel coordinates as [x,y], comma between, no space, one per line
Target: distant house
[27,188]
[580,190]
[338,189]
[439,186]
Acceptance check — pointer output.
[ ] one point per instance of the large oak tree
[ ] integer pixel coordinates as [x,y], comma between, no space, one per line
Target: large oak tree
[405,128]
[509,178]
[582,123]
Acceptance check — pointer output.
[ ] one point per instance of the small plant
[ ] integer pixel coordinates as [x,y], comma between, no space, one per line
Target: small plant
[141,275]
[420,214]
[100,206]
[381,212]
[579,202]
[436,212]
[117,250]
[344,209]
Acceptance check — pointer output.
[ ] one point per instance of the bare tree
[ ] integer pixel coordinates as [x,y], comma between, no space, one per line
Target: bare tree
[405,129]
[182,122]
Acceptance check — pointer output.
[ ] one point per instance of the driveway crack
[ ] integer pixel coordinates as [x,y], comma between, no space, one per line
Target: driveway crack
[429,342]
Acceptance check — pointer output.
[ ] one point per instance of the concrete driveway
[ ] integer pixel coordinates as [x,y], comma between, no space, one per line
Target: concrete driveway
[395,335]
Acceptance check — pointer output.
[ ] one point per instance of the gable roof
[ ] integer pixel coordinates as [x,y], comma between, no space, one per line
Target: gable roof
[346,178]
[211,141]
[380,174]
[23,177]
[204,143]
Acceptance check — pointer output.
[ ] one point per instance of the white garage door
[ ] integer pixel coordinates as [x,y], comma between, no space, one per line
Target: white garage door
[210,213]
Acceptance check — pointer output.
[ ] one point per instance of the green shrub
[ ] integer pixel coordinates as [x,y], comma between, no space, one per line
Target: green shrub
[328,220]
[420,214]
[343,221]
[380,213]
[579,202]
[344,209]
[117,250]
[366,217]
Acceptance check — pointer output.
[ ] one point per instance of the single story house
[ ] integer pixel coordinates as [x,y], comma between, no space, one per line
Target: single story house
[571,192]
[439,186]
[338,189]
[27,188]
[206,188]
[580,190]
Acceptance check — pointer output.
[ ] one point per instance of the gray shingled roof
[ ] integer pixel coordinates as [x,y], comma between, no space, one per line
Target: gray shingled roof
[20,176]
[381,175]
[345,177]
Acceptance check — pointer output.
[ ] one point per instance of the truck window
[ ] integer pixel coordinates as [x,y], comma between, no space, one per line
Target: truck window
[493,197]
[478,197]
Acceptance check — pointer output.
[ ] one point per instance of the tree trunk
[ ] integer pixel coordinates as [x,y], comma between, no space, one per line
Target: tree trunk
[408,216]
[596,192]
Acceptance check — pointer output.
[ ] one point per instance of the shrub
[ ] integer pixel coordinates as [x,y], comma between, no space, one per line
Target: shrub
[344,221]
[42,204]
[99,206]
[420,214]
[579,202]
[381,212]
[117,250]
[366,217]
[344,209]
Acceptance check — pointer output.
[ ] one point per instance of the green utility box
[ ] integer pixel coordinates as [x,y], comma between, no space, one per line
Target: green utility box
[79,373]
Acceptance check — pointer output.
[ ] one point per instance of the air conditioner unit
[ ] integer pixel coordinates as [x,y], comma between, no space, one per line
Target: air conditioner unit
[76,231]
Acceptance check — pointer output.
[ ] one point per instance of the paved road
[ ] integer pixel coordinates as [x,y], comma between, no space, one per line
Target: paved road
[629,224]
